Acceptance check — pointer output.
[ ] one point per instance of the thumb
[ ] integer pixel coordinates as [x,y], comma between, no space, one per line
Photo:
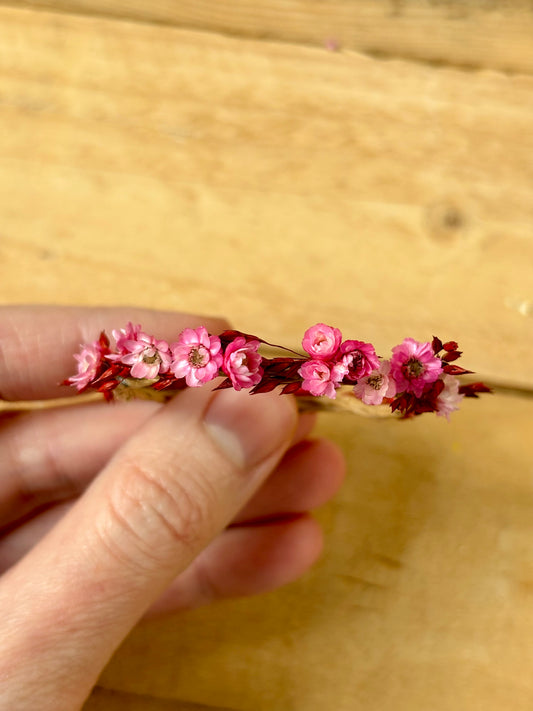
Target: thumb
[178,482]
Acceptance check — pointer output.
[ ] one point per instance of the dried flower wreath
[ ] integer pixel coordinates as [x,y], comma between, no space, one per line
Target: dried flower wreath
[418,378]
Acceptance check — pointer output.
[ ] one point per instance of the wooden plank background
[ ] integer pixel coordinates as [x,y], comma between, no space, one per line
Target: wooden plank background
[180,155]
[474,34]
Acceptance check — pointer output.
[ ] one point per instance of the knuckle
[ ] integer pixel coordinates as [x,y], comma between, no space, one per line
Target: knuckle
[32,462]
[161,510]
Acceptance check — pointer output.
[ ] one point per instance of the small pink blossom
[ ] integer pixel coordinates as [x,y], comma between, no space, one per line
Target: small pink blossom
[89,361]
[359,359]
[197,356]
[147,356]
[124,335]
[319,378]
[321,342]
[242,363]
[373,388]
[414,365]
[449,398]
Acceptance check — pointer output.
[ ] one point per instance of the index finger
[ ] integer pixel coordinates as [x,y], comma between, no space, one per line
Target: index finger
[37,343]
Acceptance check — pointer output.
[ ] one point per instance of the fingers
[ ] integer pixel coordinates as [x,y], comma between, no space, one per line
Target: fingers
[15,544]
[51,456]
[306,422]
[246,560]
[243,560]
[165,495]
[37,344]
[307,477]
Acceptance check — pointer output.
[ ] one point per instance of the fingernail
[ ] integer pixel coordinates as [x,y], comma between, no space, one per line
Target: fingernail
[249,428]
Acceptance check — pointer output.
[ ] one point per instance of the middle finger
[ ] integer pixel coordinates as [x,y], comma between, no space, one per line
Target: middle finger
[307,477]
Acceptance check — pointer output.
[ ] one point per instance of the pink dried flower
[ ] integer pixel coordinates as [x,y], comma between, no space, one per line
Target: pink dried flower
[89,363]
[124,335]
[419,378]
[359,359]
[242,363]
[373,388]
[147,356]
[319,378]
[449,398]
[414,365]
[197,356]
[321,342]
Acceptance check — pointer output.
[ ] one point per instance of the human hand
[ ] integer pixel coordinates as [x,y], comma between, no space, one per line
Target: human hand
[111,512]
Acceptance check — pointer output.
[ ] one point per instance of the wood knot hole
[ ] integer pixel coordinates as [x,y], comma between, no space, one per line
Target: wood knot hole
[445,221]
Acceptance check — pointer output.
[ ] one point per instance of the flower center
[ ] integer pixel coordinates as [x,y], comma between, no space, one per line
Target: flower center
[375,381]
[198,356]
[355,362]
[413,368]
[150,356]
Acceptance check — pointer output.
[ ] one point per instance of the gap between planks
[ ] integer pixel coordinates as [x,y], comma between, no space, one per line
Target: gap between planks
[471,40]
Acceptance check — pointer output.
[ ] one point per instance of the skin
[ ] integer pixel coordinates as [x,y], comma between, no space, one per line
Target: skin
[110,513]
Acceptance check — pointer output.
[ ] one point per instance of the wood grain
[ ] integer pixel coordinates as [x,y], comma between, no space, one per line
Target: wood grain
[471,33]
[167,168]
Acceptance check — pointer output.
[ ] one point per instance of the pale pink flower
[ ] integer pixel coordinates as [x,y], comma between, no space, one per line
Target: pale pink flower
[358,358]
[321,342]
[373,388]
[197,356]
[319,378]
[89,361]
[414,365]
[124,335]
[147,356]
[242,363]
[449,398]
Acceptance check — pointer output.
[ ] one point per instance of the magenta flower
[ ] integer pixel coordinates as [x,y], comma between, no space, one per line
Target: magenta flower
[359,359]
[147,356]
[321,342]
[449,398]
[319,378]
[414,365]
[242,363]
[373,388]
[197,356]
[89,361]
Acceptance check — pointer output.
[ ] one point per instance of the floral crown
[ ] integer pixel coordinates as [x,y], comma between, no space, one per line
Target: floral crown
[417,378]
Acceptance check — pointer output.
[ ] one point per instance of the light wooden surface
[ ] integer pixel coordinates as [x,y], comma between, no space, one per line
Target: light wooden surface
[473,34]
[284,184]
